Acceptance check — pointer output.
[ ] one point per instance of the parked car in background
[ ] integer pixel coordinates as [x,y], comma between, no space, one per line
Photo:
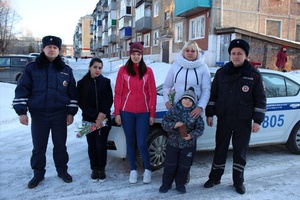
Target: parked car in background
[65,60]
[34,54]
[281,124]
[12,66]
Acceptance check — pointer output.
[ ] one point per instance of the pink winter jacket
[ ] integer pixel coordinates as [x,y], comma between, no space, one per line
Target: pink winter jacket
[281,58]
[133,94]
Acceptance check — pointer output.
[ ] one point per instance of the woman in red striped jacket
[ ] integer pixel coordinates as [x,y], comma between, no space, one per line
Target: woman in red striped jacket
[135,106]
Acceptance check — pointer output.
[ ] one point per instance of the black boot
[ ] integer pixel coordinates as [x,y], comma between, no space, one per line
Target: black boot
[102,175]
[34,182]
[211,183]
[95,175]
[164,188]
[67,178]
[240,188]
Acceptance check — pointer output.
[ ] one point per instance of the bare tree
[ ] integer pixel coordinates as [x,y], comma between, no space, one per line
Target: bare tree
[8,17]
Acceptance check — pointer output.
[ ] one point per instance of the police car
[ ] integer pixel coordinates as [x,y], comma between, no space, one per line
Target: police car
[281,124]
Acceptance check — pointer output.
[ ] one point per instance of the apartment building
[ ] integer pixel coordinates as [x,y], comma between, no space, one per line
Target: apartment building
[165,26]
[82,38]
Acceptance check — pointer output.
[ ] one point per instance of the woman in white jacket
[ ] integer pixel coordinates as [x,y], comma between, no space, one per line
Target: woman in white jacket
[189,70]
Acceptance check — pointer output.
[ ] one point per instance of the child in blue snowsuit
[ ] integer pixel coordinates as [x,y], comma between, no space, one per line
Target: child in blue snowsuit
[180,149]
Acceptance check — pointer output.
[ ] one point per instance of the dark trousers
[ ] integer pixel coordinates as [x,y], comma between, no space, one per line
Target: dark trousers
[97,148]
[136,129]
[40,129]
[240,131]
[177,165]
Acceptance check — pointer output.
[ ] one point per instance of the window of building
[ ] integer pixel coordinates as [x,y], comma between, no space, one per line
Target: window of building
[139,12]
[133,22]
[114,48]
[178,32]
[147,40]
[155,38]
[197,28]
[273,27]
[167,15]
[139,38]
[297,38]
[123,45]
[156,8]
[128,46]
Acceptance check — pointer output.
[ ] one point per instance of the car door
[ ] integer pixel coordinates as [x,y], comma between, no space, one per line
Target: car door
[4,68]
[283,108]
[17,66]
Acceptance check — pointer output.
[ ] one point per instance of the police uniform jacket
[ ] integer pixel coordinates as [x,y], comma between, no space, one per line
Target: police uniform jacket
[46,87]
[237,93]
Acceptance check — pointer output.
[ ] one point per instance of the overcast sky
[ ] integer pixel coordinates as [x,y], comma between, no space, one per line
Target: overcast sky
[55,17]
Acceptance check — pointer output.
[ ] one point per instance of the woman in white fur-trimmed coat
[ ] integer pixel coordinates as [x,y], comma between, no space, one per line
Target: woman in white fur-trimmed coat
[189,70]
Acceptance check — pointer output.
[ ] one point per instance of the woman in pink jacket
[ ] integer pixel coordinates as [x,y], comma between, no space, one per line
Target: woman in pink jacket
[135,106]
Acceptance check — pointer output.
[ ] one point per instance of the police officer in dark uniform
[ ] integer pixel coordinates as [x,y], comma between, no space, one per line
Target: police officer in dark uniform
[47,89]
[239,102]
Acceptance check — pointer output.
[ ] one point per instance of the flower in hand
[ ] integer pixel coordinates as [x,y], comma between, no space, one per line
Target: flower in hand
[171,96]
[88,127]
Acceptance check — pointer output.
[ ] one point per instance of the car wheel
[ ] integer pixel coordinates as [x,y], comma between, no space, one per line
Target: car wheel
[293,143]
[157,142]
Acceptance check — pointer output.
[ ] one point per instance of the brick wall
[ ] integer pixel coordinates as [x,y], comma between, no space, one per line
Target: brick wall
[265,52]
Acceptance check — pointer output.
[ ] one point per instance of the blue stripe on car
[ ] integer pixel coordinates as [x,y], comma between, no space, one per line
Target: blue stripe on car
[283,106]
[270,107]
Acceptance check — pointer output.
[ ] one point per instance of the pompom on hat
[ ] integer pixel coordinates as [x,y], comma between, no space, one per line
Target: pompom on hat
[284,46]
[190,93]
[136,47]
[241,44]
[51,40]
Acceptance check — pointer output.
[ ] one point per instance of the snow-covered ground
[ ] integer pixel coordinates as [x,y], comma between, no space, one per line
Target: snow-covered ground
[272,172]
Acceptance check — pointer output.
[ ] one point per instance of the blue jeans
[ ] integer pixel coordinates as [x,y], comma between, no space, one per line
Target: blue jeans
[136,128]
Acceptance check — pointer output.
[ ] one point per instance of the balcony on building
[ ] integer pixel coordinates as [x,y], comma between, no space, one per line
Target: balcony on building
[125,21]
[143,25]
[91,44]
[139,2]
[104,3]
[125,33]
[98,32]
[112,18]
[98,44]
[105,41]
[91,29]
[99,22]
[125,11]
[93,47]
[112,39]
[104,28]
[112,5]
[112,22]
[112,35]
[104,15]
[190,7]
